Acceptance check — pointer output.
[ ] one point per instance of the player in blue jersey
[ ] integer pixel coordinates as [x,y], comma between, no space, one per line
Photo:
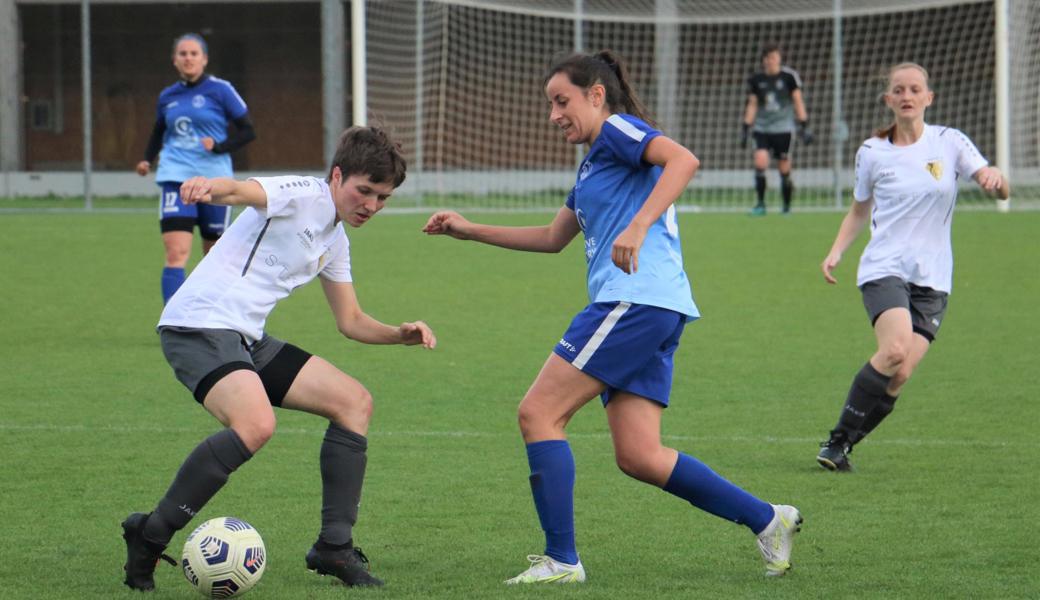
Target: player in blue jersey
[620,347]
[191,130]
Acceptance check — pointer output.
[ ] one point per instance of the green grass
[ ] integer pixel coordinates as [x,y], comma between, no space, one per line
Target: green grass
[944,502]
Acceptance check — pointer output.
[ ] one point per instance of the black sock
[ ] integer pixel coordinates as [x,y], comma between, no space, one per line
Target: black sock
[884,407]
[323,545]
[864,395]
[343,462]
[787,189]
[760,187]
[200,477]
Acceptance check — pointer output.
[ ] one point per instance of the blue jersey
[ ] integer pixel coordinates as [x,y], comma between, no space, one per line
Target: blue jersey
[192,112]
[613,183]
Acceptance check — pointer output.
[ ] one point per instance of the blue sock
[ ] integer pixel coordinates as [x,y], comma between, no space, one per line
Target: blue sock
[552,484]
[694,482]
[172,278]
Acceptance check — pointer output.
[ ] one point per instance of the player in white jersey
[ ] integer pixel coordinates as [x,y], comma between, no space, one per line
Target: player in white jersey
[621,346]
[906,187]
[212,334]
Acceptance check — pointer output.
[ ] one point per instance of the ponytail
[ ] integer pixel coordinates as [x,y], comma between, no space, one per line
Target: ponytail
[607,69]
[886,132]
[628,98]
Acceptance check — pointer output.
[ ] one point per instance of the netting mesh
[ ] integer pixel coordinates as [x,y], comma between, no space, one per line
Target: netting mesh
[485,136]
[460,83]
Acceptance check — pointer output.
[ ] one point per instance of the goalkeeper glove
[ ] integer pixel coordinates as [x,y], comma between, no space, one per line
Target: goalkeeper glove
[805,133]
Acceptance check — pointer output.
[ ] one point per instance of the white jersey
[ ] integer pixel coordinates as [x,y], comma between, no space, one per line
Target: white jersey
[914,190]
[262,258]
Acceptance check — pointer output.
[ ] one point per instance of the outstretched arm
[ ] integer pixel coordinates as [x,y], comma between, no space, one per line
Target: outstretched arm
[993,182]
[679,166]
[545,238]
[851,226]
[355,324]
[224,191]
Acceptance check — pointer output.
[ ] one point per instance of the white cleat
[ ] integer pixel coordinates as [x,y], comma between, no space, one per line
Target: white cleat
[546,570]
[776,539]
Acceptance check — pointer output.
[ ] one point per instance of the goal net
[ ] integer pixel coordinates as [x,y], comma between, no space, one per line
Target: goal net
[460,83]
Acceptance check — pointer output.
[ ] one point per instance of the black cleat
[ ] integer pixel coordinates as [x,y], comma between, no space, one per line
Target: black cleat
[141,555]
[349,565]
[834,455]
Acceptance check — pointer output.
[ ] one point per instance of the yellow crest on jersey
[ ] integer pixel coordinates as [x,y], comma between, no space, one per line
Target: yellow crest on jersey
[935,168]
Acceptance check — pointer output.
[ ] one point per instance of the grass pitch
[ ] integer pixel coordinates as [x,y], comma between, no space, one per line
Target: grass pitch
[943,504]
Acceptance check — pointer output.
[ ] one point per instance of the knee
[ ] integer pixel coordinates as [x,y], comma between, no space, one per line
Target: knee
[364,405]
[353,410]
[893,355]
[256,432]
[534,421]
[636,465]
[177,256]
[526,418]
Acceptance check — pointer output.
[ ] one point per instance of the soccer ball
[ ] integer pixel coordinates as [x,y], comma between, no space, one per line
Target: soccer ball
[223,557]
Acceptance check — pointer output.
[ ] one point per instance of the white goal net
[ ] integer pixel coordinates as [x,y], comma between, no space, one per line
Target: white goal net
[459,82]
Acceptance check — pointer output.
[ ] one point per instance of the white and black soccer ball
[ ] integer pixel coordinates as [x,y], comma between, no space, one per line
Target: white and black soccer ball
[223,557]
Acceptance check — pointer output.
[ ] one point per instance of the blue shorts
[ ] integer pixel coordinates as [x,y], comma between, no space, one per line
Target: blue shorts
[627,346]
[174,215]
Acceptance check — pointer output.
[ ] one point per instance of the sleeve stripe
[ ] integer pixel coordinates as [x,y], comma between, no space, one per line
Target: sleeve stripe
[232,88]
[626,128]
[794,74]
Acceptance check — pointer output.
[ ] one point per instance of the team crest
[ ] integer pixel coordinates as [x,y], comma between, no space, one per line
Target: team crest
[585,170]
[580,215]
[935,167]
[198,101]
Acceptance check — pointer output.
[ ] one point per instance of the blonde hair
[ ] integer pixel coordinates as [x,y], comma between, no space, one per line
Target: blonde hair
[887,131]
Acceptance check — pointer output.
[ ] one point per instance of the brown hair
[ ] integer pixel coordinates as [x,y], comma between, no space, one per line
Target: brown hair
[369,151]
[887,131]
[190,36]
[606,69]
[769,48]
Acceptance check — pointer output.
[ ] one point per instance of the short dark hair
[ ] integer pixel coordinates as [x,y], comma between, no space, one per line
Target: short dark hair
[770,47]
[369,151]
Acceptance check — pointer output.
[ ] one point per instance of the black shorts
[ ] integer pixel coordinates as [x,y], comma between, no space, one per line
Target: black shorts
[202,357]
[779,144]
[927,306]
